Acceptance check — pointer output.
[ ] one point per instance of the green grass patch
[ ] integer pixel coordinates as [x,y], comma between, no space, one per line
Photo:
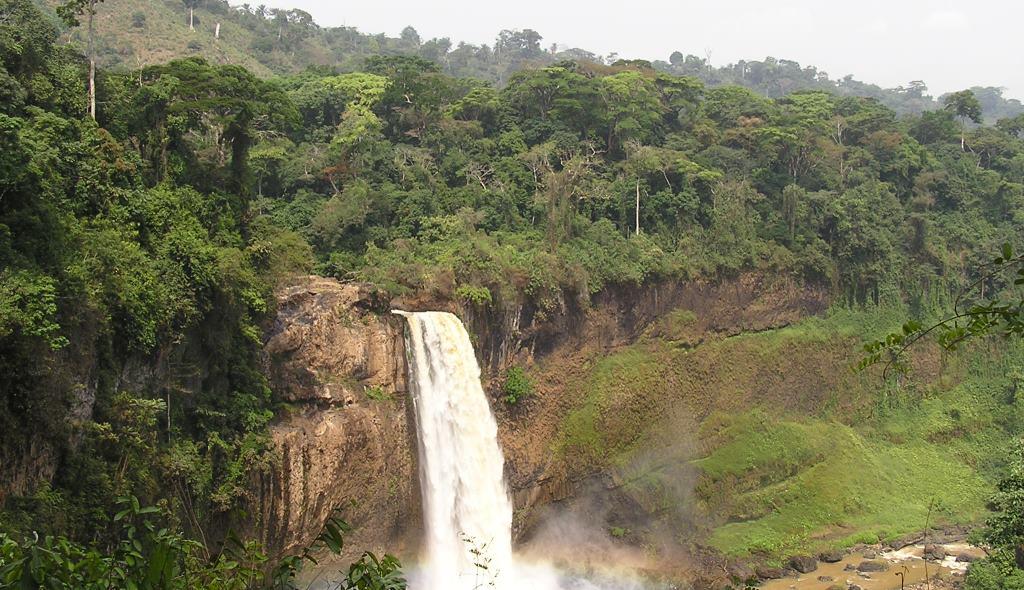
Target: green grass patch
[791,450]
[613,379]
[829,485]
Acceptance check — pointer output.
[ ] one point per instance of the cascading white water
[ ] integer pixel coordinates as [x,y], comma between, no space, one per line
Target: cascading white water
[466,507]
[467,512]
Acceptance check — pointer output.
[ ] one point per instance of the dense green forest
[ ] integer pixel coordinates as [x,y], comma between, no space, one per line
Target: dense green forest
[159,230]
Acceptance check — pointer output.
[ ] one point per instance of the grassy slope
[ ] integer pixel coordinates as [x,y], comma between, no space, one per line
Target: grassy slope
[785,449]
[166,35]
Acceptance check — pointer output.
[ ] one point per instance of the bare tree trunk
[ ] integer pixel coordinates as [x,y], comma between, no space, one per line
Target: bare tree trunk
[92,88]
[191,18]
[92,62]
[216,32]
[637,206]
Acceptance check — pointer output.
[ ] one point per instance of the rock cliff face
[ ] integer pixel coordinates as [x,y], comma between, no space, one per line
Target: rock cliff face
[338,357]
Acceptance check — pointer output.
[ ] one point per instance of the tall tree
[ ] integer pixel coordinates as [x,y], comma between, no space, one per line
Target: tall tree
[69,12]
[966,107]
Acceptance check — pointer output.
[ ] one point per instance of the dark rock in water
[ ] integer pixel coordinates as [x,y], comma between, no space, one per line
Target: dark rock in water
[804,564]
[854,587]
[826,579]
[872,566]
[936,552]
[835,587]
[849,567]
[966,558]
[831,556]
[869,554]
[864,575]
[770,573]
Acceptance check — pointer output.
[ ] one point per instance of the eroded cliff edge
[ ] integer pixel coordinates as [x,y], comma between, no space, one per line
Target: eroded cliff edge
[337,356]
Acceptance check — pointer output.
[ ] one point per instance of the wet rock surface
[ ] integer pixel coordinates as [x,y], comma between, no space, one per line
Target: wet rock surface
[831,556]
[872,566]
[345,446]
[804,564]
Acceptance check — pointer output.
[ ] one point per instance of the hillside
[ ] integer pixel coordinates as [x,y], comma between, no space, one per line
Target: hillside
[665,282]
[132,34]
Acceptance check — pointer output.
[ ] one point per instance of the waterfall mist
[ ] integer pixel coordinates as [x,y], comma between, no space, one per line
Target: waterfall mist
[467,510]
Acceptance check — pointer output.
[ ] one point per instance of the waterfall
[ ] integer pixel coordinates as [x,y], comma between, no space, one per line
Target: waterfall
[467,511]
[466,508]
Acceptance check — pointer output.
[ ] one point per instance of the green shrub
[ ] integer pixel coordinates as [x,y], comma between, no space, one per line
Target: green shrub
[474,295]
[377,393]
[990,574]
[517,385]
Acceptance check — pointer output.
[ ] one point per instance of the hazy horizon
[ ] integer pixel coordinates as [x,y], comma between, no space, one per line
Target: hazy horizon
[947,45]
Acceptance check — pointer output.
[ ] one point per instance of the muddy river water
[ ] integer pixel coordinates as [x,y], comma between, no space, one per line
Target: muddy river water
[904,567]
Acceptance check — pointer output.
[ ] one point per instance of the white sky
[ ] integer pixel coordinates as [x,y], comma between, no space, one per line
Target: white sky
[949,44]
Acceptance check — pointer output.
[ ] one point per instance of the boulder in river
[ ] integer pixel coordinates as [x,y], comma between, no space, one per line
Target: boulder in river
[826,579]
[831,556]
[966,558]
[936,552]
[804,564]
[872,566]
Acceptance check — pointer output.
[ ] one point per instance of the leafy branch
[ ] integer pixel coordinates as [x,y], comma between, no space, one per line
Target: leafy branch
[991,315]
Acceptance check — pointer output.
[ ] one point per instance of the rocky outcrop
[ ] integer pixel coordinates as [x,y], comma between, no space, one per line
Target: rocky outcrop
[804,564]
[872,566]
[338,358]
[831,556]
[686,313]
[330,342]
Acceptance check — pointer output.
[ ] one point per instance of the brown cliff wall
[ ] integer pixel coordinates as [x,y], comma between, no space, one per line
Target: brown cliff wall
[333,343]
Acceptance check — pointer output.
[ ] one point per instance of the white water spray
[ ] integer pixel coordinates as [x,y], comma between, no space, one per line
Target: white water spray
[466,507]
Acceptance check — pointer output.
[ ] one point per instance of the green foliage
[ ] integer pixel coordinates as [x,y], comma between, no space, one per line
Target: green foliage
[990,574]
[786,453]
[158,231]
[474,295]
[28,306]
[517,386]
[1004,532]
[373,573]
[975,314]
[1005,529]
[964,105]
[377,393]
[147,554]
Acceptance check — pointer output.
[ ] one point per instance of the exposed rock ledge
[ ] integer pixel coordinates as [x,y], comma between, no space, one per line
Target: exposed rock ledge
[345,445]
[332,344]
